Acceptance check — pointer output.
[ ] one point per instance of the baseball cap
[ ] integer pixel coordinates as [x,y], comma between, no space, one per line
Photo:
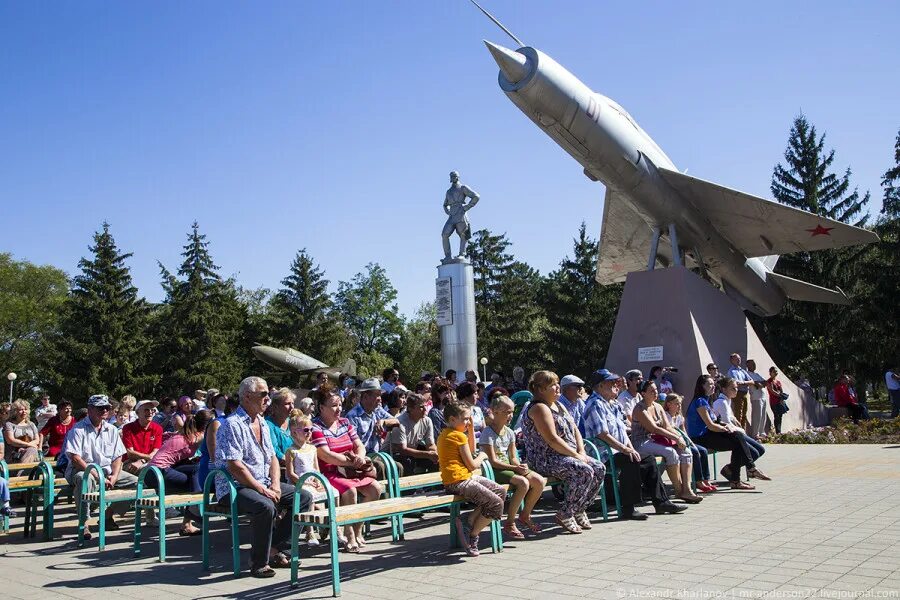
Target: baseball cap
[602,375]
[99,400]
[369,385]
[570,380]
[143,403]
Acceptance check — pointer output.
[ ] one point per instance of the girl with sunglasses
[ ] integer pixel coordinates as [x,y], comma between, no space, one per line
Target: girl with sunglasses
[301,458]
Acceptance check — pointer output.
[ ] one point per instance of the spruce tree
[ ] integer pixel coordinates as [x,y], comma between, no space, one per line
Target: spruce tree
[814,338]
[580,312]
[103,345]
[302,315]
[201,343]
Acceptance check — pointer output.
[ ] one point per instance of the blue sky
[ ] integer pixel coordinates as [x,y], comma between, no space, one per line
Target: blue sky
[333,126]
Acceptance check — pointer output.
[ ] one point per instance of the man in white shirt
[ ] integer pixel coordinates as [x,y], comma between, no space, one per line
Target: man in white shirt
[744,383]
[629,396]
[892,380]
[757,402]
[94,440]
[44,412]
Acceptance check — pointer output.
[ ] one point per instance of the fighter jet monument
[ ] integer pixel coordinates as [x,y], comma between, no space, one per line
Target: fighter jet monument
[654,215]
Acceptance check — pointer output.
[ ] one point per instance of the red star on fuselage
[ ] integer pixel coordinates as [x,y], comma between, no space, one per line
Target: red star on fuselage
[819,230]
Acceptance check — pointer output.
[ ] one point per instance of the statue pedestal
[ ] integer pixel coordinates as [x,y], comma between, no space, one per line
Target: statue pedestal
[456,316]
[677,314]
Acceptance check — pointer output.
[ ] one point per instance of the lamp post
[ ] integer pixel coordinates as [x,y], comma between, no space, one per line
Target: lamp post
[12,378]
[483,362]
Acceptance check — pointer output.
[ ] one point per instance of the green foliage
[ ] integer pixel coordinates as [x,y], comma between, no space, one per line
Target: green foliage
[103,344]
[580,313]
[367,305]
[819,340]
[420,345]
[201,327]
[843,431]
[31,298]
[301,315]
[508,314]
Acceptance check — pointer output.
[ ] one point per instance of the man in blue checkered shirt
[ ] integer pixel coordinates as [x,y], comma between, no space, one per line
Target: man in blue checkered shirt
[603,420]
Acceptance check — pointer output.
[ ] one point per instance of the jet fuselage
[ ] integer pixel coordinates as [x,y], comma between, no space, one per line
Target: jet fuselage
[613,149]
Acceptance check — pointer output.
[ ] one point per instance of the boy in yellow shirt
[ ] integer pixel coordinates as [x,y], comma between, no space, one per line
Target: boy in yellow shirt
[458,459]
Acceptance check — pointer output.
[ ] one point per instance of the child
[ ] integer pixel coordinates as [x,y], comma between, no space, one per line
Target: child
[455,457]
[301,458]
[672,406]
[498,442]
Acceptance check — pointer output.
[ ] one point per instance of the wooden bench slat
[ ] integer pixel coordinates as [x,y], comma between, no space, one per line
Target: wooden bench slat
[378,508]
[174,500]
[117,495]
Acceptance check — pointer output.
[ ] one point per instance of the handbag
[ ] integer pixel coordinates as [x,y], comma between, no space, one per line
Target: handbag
[663,440]
[781,407]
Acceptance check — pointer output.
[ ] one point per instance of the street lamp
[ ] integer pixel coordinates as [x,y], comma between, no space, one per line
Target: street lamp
[483,362]
[12,378]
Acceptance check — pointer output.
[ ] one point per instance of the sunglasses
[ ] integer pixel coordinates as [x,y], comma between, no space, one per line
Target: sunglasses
[305,429]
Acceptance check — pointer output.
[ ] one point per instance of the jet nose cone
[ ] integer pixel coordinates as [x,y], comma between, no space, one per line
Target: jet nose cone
[511,63]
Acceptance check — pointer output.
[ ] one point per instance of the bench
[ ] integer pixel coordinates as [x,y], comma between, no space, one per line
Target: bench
[104,499]
[393,507]
[39,484]
[158,504]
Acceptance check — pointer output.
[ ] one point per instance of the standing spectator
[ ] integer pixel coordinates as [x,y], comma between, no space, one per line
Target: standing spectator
[244,448]
[277,420]
[757,403]
[412,441]
[603,419]
[773,385]
[321,379]
[472,376]
[744,383]
[4,412]
[572,397]
[21,435]
[55,430]
[555,449]
[94,440]
[712,369]
[892,381]
[450,375]
[369,418]
[391,379]
[628,397]
[496,381]
[44,412]
[142,438]
[845,396]
[518,381]
[165,418]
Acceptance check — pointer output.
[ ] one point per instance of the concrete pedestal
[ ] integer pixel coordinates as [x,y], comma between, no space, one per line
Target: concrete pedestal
[695,324]
[459,349]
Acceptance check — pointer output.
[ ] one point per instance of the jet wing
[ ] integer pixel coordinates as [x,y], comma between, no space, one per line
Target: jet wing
[759,227]
[625,239]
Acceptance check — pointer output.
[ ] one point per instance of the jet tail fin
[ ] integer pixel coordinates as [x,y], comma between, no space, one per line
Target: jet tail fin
[808,292]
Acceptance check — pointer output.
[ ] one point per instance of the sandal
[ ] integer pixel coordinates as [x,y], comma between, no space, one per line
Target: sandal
[691,499]
[740,485]
[568,524]
[279,561]
[583,521]
[352,548]
[185,532]
[757,474]
[529,524]
[263,572]
[512,531]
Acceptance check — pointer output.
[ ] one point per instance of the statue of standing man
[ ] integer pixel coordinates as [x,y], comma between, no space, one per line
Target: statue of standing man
[456,207]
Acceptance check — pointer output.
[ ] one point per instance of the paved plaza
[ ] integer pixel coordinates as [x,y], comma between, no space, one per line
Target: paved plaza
[828,525]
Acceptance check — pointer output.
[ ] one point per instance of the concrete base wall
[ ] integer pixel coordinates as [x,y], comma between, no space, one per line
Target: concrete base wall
[459,348]
[695,324]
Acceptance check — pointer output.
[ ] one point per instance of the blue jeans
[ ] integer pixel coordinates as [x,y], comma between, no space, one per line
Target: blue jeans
[701,462]
[756,449]
[895,403]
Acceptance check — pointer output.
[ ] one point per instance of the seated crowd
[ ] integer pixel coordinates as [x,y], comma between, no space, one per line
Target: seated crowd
[531,433]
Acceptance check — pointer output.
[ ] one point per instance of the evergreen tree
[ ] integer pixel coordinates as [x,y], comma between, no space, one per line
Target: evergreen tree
[508,314]
[815,338]
[368,308]
[103,344]
[302,315]
[580,312]
[202,343]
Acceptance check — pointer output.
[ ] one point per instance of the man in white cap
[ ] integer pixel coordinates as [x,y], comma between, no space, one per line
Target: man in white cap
[142,438]
[95,440]
[572,397]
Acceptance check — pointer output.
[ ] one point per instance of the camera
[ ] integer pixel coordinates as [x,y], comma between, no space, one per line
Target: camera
[670,369]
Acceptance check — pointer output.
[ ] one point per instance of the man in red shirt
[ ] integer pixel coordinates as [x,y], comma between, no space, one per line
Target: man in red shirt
[142,438]
[845,396]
